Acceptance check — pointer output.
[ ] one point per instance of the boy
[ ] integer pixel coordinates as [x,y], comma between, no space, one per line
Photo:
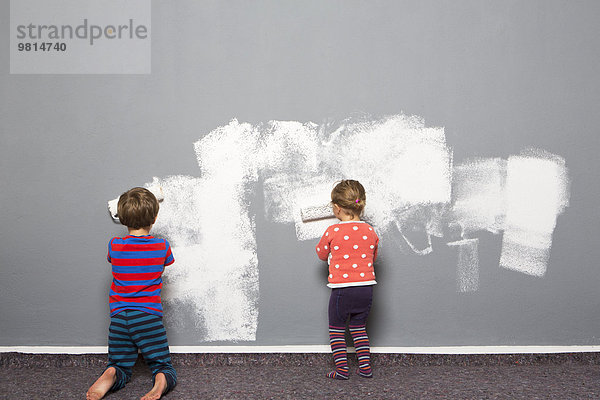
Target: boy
[138,261]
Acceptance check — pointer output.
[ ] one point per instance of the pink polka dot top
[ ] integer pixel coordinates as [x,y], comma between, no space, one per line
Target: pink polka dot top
[350,247]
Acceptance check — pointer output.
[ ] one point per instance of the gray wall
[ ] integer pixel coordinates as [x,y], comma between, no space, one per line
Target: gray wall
[497,75]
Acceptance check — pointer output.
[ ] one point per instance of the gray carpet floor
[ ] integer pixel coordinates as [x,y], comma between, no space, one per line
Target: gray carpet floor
[303,377]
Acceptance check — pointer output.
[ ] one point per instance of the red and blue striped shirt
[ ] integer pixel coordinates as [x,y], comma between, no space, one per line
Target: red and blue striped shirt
[137,266]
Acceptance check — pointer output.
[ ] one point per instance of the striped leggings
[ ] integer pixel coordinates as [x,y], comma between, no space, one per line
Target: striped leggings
[351,304]
[131,330]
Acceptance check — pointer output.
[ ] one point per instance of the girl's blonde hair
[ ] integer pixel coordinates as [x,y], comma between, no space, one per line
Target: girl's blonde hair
[350,196]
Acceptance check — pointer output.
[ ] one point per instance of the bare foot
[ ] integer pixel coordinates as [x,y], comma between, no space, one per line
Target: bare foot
[102,385]
[160,385]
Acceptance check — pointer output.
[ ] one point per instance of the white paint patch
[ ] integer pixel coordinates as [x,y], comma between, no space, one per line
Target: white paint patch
[478,195]
[467,271]
[180,214]
[305,196]
[478,204]
[400,162]
[213,237]
[285,198]
[536,193]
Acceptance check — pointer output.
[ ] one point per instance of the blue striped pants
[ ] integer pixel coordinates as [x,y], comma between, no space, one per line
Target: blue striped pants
[131,330]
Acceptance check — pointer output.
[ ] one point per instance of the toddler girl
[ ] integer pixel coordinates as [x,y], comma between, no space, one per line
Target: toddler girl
[350,248]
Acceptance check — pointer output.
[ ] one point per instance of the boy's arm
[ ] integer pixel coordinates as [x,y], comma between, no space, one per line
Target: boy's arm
[322,247]
[169,259]
[108,257]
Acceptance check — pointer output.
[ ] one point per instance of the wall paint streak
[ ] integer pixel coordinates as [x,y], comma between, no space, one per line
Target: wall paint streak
[467,271]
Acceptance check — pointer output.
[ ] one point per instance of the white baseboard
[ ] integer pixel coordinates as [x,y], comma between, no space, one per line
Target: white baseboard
[315,349]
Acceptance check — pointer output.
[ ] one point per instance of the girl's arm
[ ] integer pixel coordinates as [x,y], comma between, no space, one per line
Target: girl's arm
[376,249]
[322,247]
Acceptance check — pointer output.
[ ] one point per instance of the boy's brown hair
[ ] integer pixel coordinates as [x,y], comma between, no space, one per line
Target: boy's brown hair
[350,196]
[137,208]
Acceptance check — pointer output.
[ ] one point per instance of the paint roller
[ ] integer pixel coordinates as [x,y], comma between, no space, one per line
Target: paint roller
[315,213]
[156,190]
[322,211]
